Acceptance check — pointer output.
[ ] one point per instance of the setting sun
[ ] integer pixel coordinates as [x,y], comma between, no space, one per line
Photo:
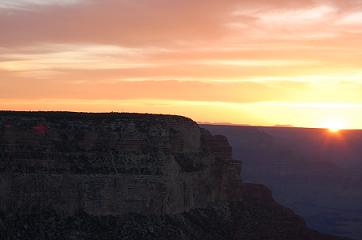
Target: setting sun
[334,130]
[334,126]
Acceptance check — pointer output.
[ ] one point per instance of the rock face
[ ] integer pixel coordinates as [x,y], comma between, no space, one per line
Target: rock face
[129,176]
[112,164]
[257,217]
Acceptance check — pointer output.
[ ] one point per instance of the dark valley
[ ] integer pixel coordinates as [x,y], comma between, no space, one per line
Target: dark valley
[313,171]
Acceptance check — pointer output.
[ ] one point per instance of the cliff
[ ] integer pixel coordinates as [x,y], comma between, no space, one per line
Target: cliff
[129,176]
[112,164]
[257,217]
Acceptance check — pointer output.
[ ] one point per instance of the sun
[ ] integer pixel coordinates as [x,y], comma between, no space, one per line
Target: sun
[334,130]
[334,126]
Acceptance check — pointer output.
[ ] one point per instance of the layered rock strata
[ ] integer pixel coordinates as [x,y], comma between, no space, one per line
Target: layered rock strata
[112,164]
[129,176]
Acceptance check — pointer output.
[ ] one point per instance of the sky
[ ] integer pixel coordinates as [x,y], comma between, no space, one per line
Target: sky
[255,62]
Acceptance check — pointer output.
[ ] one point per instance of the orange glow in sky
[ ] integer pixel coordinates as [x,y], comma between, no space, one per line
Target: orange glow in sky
[243,62]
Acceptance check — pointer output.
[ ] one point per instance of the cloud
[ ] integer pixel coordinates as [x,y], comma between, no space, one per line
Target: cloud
[150,89]
[65,56]
[354,18]
[147,62]
[290,16]
[254,63]
[26,4]
[110,22]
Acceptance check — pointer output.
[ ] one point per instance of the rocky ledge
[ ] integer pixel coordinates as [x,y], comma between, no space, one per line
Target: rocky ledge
[112,164]
[128,176]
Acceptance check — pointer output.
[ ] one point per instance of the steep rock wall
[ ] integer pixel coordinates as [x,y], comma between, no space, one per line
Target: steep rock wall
[112,164]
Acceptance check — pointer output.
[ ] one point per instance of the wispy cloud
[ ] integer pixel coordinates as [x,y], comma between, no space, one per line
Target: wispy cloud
[24,4]
[354,18]
[65,56]
[255,63]
[280,16]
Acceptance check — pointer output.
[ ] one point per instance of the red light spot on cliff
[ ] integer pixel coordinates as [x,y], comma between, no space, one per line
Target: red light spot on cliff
[40,129]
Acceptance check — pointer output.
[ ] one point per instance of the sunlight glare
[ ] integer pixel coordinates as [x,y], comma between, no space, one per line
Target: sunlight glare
[334,130]
[334,126]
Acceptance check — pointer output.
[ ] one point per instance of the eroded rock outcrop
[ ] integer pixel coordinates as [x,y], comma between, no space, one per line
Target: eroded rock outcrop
[257,217]
[112,164]
[129,176]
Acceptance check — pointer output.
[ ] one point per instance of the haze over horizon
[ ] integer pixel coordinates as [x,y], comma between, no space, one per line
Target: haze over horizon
[243,62]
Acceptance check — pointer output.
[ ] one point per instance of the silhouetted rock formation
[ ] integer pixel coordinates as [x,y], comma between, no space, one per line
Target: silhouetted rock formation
[260,217]
[257,217]
[106,164]
[128,176]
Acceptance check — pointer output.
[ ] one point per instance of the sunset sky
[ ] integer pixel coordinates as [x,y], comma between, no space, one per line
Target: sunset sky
[258,62]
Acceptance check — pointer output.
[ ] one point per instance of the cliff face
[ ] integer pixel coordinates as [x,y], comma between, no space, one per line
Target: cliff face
[257,217]
[112,164]
[129,176]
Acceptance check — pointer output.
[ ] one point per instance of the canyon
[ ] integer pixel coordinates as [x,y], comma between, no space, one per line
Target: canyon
[129,176]
[312,171]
